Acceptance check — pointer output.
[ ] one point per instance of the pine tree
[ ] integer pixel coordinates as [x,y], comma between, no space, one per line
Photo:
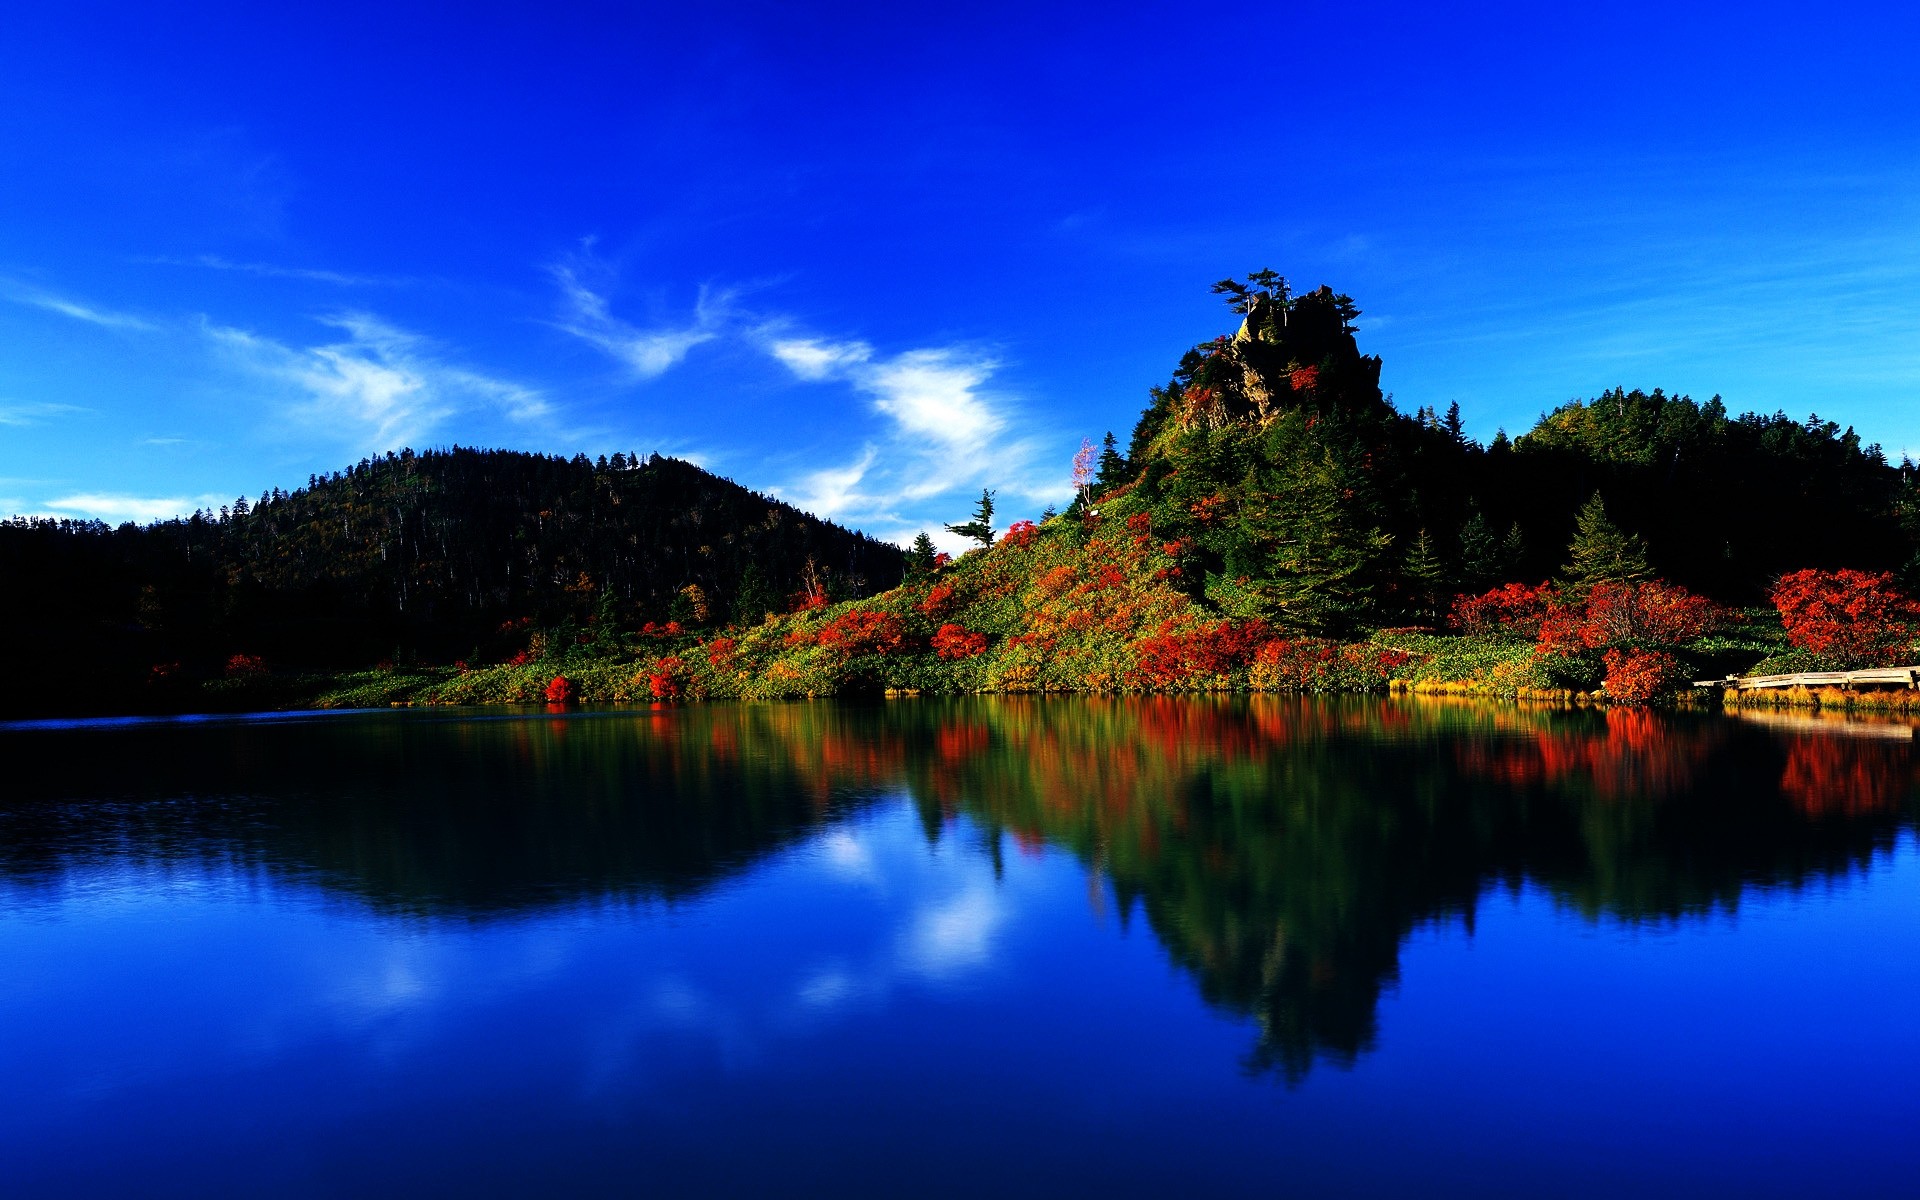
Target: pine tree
[1113,468]
[1309,539]
[920,557]
[980,528]
[1426,577]
[1603,552]
[1481,560]
[756,599]
[1513,552]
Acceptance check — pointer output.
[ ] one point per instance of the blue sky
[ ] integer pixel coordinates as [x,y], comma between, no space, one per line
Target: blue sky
[874,258]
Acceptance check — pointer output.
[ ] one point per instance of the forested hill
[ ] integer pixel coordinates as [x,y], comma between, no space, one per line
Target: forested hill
[1312,503]
[417,555]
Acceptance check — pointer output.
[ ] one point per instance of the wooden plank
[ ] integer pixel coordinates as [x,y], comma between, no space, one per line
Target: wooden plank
[1900,676]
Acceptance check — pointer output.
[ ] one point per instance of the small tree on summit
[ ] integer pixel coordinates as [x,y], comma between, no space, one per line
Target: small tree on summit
[1602,552]
[1260,285]
[980,528]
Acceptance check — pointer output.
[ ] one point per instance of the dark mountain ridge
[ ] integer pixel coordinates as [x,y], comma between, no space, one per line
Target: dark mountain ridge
[431,556]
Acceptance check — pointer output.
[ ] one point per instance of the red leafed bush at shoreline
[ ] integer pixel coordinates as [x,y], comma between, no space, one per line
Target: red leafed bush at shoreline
[1626,630]
[561,690]
[1173,655]
[1855,618]
[1626,614]
[663,681]
[1636,676]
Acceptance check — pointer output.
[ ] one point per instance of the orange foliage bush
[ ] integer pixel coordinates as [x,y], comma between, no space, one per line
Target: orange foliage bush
[939,599]
[664,680]
[246,666]
[1635,676]
[1174,655]
[864,633]
[1512,608]
[561,690]
[956,641]
[1855,617]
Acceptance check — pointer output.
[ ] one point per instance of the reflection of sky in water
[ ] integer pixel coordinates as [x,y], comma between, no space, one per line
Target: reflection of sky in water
[858,1004]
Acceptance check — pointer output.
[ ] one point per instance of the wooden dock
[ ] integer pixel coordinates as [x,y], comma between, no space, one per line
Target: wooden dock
[1906,677]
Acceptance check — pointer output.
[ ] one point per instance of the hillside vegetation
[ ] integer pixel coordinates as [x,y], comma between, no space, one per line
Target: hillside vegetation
[1273,522]
[407,559]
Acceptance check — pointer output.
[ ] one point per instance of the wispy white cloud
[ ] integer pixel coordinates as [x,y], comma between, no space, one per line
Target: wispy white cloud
[380,385]
[117,507]
[833,491]
[588,315]
[34,414]
[942,426]
[944,429]
[275,271]
[815,358]
[91,314]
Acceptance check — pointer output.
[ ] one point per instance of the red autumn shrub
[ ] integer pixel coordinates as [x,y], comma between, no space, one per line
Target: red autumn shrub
[939,599]
[1174,654]
[1656,613]
[1857,618]
[1140,523]
[720,651]
[663,681]
[857,632]
[246,666]
[1635,676]
[1513,609]
[1055,581]
[942,559]
[957,641]
[1626,614]
[561,690]
[1208,509]
[1020,533]
[1304,379]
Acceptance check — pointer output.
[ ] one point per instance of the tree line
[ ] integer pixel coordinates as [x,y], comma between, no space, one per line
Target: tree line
[434,555]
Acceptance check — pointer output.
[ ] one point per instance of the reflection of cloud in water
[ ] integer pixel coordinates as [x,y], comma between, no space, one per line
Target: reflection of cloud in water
[956,934]
[827,988]
[848,857]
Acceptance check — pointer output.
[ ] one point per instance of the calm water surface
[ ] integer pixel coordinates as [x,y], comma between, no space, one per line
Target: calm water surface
[995,947]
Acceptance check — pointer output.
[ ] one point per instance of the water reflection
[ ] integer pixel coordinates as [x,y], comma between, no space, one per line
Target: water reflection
[1281,850]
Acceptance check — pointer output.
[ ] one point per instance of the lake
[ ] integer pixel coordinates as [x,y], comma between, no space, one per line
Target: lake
[985,947]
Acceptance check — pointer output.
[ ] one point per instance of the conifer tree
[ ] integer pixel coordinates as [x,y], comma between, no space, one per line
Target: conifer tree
[1426,576]
[980,528]
[1481,560]
[1113,468]
[920,556]
[1513,551]
[1603,552]
[1310,540]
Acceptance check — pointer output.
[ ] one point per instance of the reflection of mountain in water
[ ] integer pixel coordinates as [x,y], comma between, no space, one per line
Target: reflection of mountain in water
[1281,849]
